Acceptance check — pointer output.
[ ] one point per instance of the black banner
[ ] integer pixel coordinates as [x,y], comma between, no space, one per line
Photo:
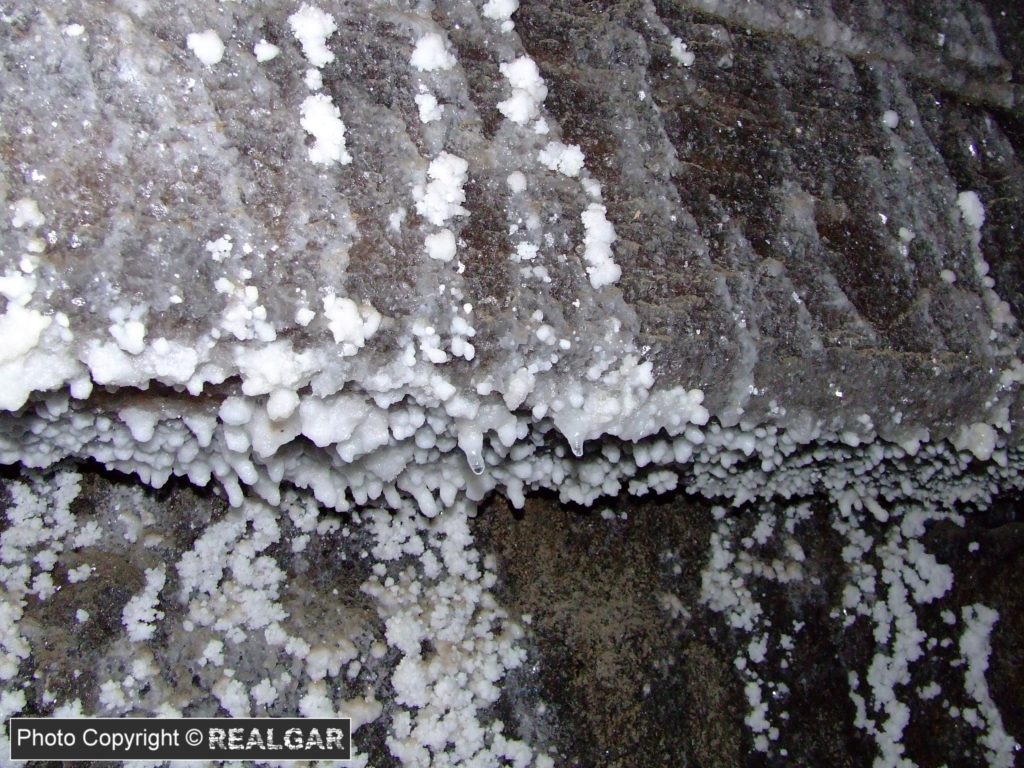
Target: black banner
[110,738]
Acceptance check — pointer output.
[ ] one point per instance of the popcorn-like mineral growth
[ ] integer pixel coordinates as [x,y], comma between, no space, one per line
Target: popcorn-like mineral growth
[353,287]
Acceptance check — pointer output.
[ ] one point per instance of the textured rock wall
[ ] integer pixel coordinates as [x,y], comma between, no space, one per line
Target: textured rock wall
[777,241]
[359,267]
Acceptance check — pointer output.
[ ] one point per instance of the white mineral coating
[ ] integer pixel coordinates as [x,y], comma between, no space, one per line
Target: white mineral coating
[210,272]
[189,240]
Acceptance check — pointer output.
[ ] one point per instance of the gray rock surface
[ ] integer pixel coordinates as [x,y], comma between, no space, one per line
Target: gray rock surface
[360,267]
[757,196]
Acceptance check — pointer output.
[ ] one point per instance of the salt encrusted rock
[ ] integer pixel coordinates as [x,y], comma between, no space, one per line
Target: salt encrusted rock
[745,238]
[738,248]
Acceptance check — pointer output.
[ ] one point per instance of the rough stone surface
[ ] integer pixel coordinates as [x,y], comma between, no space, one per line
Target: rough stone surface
[757,195]
[615,677]
[704,450]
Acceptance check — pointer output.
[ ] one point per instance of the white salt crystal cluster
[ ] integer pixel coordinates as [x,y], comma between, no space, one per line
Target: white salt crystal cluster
[528,90]
[682,53]
[600,235]
[319,116]
[322,120]
[501,11]
[441,198]
[207,46]
[431,54]
[312,27]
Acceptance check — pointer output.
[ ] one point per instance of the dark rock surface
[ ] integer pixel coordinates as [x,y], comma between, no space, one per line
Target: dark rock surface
[617,675]
[635,686]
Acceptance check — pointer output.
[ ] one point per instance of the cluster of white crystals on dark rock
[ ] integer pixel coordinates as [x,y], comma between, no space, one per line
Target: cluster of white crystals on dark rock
[404,256]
